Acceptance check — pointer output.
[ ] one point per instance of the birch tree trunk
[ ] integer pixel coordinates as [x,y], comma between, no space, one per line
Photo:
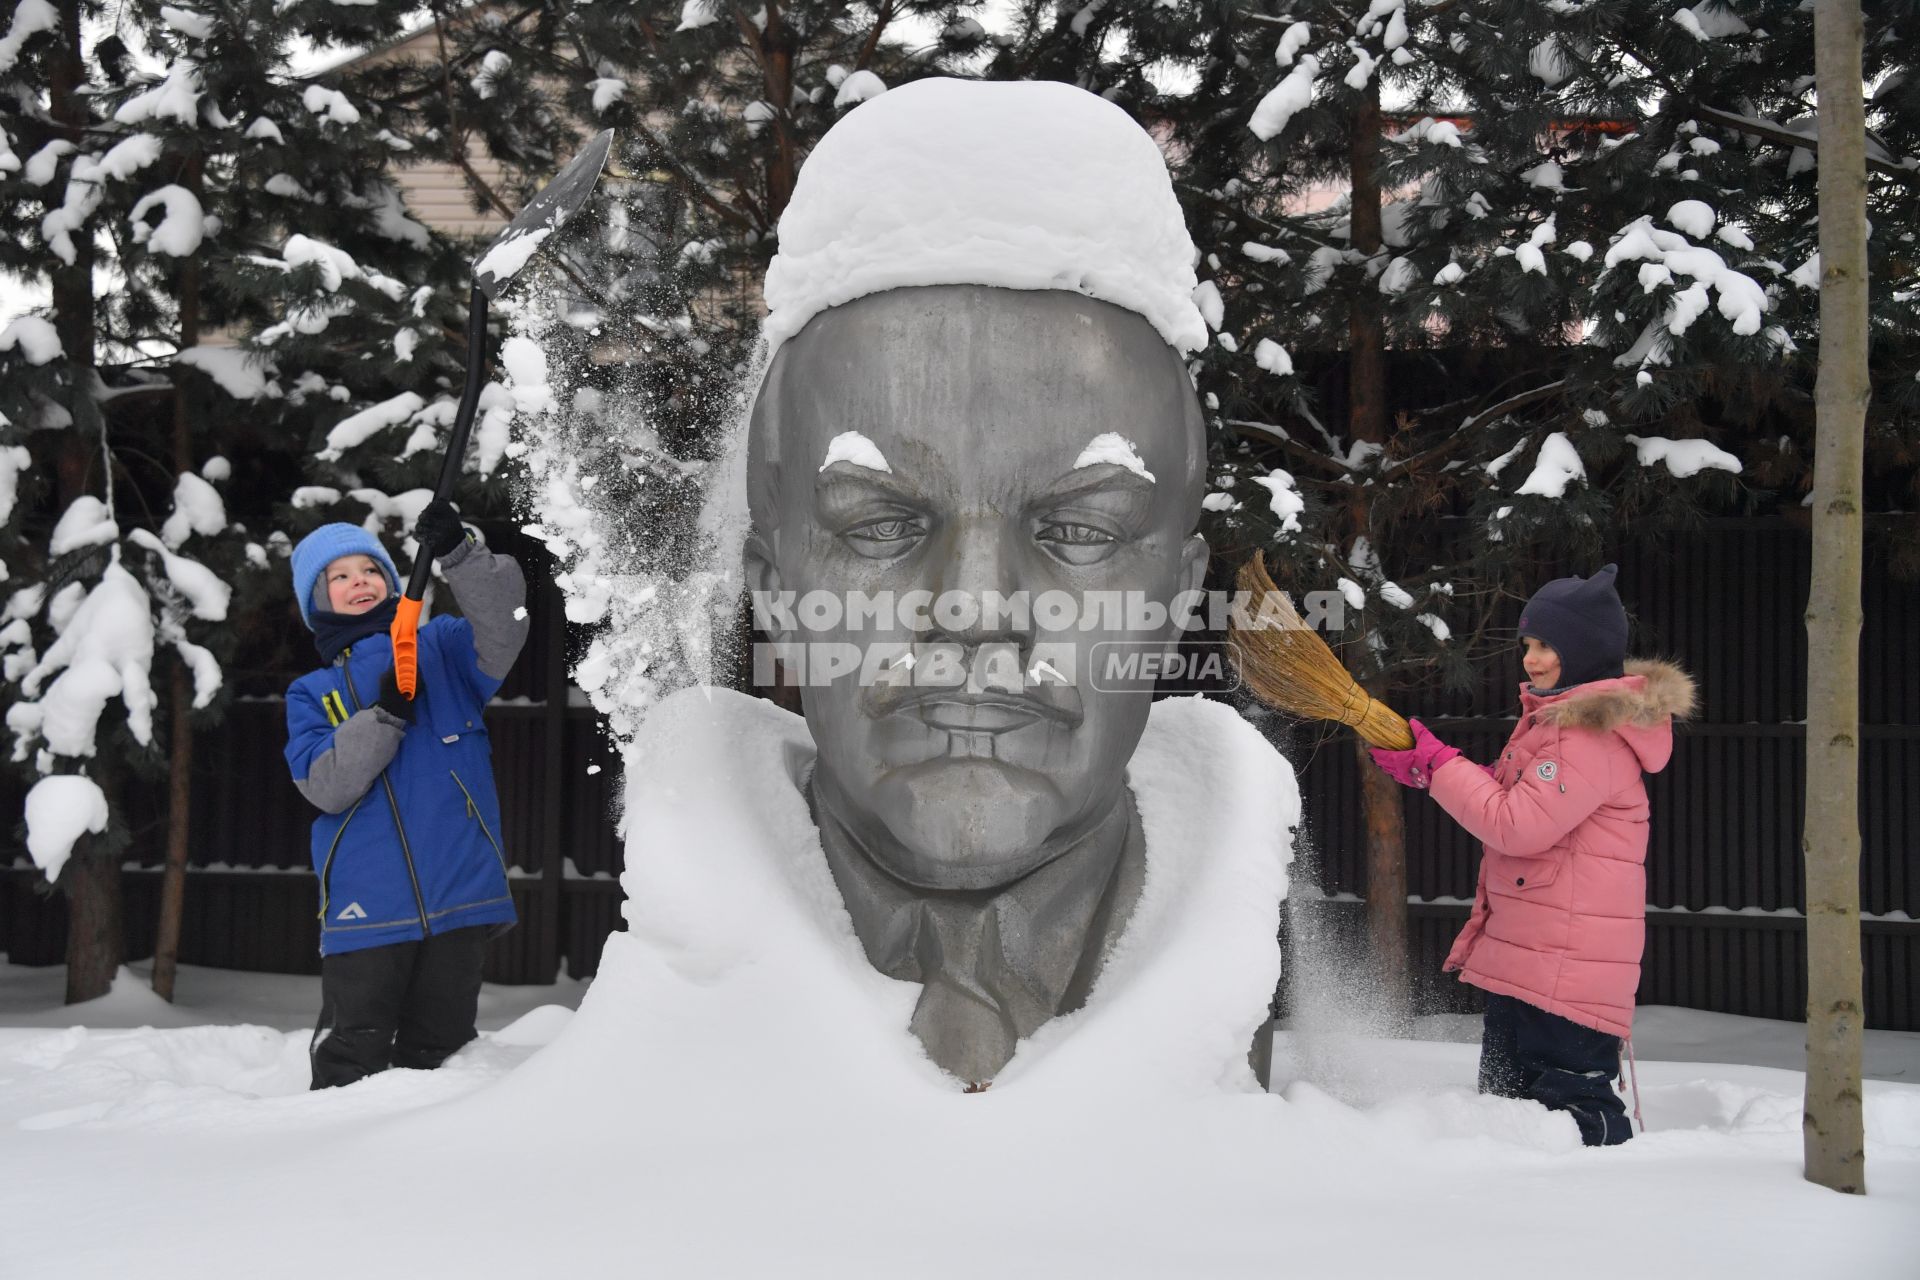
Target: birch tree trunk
[1832,1124]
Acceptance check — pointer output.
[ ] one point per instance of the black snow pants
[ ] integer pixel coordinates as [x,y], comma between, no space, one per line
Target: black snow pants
[407,1004]
[1527,1052]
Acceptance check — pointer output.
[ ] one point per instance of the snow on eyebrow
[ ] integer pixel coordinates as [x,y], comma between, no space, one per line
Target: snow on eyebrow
[1110,447]
[852,447]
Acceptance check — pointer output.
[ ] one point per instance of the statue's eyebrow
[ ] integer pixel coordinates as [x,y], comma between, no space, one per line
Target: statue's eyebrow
[1105,477]
[847,475]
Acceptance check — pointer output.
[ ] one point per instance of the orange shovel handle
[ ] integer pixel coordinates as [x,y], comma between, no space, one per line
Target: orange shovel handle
[406,644]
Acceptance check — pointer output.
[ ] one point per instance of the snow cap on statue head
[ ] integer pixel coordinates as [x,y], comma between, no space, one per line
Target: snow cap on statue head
[1584,621]
[1024,185]
[321,548]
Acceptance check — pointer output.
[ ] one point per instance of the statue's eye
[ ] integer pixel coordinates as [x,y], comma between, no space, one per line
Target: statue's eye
[1075,535]
[887,536]
[1075,541]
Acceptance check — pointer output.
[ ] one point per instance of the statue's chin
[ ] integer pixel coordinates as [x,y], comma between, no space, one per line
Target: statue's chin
[968,824]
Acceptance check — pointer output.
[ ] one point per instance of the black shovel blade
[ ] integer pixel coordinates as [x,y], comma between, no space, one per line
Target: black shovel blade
[542,219]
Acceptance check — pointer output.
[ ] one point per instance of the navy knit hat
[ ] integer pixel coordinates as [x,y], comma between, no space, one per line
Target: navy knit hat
[1583,620]
[325,545]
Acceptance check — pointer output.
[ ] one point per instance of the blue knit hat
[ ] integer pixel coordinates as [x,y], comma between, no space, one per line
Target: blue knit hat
[325,545]
[1584,621]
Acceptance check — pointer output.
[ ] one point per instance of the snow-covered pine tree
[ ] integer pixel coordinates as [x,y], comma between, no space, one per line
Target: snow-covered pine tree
[1532,263]
[630,354]
[180,187]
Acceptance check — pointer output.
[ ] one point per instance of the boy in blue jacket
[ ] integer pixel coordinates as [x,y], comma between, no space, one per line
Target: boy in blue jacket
[413,879]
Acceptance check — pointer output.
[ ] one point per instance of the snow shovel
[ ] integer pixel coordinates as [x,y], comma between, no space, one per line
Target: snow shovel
[510,251]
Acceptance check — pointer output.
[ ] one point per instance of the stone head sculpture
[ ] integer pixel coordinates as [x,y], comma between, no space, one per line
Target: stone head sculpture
[974,473]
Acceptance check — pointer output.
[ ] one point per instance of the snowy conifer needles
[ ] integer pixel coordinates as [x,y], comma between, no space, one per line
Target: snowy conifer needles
[1540,265]
[1483,281]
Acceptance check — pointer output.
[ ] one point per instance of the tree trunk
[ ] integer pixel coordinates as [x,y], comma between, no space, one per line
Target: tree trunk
[91,880]
[72,285]
[1386,824]
[1832,1123]
[778,44]
[1367,415]
[1367,420]
[173,879]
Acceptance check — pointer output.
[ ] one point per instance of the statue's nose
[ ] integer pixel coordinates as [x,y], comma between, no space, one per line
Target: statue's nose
[975,580]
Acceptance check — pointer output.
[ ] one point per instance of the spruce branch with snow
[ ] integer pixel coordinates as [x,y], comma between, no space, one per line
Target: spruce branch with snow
[156,155]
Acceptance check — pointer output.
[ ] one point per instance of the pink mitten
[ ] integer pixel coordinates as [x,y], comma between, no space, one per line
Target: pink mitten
[1398,764]
[1415,767]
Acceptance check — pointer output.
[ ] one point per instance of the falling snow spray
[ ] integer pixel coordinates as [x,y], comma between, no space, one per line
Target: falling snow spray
[1338,1005]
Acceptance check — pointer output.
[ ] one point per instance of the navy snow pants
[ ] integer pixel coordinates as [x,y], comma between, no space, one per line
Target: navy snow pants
[1527,1052]
[407,1004]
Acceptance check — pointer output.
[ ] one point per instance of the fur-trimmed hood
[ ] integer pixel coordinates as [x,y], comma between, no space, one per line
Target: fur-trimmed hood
[1640,706]
[1650,692]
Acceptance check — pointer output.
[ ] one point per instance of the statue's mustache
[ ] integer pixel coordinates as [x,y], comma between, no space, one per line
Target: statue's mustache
[983,679]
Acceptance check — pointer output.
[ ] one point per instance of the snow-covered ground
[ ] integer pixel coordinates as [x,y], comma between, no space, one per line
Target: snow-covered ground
[157,1140]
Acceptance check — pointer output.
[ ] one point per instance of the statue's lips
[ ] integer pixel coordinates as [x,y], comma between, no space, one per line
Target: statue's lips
[957,711]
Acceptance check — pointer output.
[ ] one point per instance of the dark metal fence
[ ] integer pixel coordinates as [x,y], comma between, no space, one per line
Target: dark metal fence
[1725,889]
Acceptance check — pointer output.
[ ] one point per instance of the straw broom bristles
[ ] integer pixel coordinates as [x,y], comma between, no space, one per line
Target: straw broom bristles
[1290,668]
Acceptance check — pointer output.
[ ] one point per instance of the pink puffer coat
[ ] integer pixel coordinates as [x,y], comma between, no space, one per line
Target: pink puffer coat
[1559,917]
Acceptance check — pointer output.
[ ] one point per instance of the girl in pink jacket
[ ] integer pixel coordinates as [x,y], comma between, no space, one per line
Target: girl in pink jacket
[1559,915]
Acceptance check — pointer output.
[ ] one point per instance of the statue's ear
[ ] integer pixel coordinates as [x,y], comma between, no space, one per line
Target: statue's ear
[1194,555]
[772,610]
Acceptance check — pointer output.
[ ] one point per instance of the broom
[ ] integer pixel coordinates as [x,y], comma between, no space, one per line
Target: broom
[1290,668]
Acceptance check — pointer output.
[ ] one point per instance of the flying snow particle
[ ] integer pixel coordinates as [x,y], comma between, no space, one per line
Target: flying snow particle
[606,92]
